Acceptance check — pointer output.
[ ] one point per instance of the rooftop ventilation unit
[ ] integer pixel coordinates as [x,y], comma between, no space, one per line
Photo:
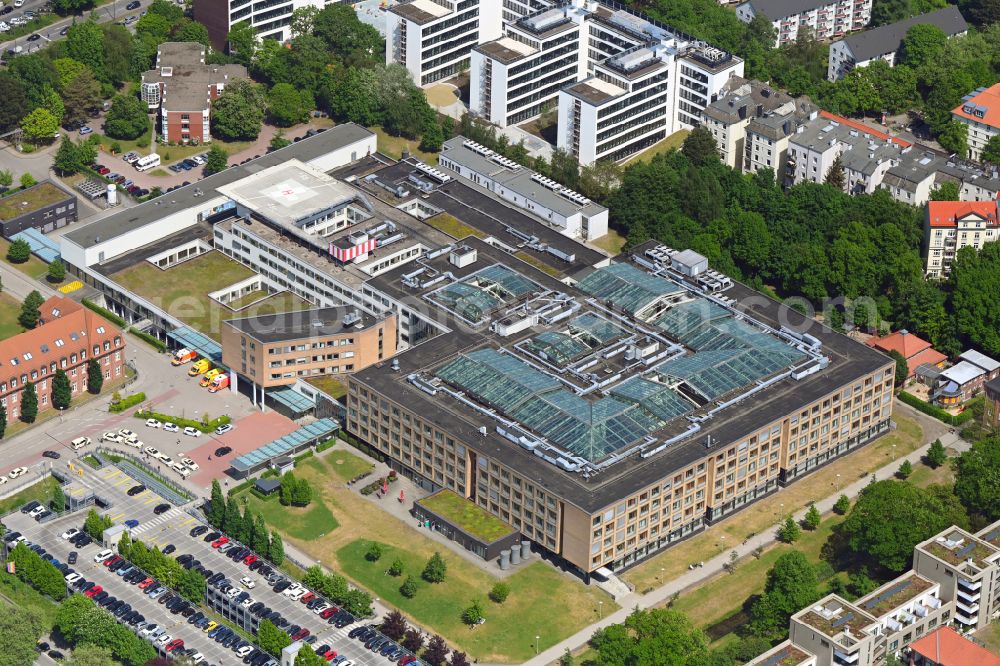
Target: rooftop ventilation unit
[351,318]
[546,182]
[433,173]
[477,148]
[575,197]
[506,163]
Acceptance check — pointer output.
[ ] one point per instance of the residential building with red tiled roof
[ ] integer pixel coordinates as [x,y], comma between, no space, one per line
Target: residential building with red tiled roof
[980,110]
[947,647]
[68,335]
[952,225]
[913,348]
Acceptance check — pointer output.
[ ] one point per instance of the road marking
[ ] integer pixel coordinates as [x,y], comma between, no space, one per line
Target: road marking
[187,522]
[115,519]
[122,482]
[150,500]
[111,473]
[77,491]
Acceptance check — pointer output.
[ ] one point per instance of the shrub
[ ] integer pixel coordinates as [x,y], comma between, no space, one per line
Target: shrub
[183,422]
[937,412]
[107,314]
[40,574]
[127,402]
[409,588]
[473,615]
[500,592]
[19,252]
[149,339]
[374,553]
[435,570]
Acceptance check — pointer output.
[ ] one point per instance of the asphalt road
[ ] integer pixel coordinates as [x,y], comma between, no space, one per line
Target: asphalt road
[114,11]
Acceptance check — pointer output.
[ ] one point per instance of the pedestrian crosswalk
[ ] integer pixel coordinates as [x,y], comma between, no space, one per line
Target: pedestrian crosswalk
[170,516]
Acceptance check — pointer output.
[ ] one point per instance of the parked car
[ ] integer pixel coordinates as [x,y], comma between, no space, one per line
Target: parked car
[16,472]
[171,427]
[55,455]
[135,490]
[86,129]
[192,432]
[161,508]
[223,451]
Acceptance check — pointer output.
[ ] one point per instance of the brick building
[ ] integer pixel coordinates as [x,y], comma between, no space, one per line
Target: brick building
[68,335]
[182,88]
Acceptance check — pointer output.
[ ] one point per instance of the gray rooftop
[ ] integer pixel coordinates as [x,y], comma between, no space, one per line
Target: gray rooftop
[915,166]
[888,39]
[746,98]
[128,219]
[779,9]
[181,68]
[320,322]
[980,359]
[863,152]
[420,11]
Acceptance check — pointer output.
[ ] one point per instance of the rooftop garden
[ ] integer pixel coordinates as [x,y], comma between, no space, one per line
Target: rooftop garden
[969,550]
[849,618]
[879,604]
[19,202]
[466,516]
[329,384]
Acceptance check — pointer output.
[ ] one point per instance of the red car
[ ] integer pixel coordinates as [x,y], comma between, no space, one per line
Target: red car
[408,659]
[329,656]
[307,597]
[146,583]
[113,560]
[300,634]
[221,541]
[249,559]
[328,612]
[104,171]
[175,644]
[97,589]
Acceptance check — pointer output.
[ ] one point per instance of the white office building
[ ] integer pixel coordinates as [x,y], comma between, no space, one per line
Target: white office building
[433,39]
[272,19]
[824,19]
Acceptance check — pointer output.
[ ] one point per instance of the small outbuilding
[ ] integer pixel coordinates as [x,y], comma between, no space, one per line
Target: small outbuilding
[266,486]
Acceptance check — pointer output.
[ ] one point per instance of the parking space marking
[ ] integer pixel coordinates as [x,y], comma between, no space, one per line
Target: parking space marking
[151,500]
[112,473]
[187,522]
[77,491]
[115,519]
[123,482]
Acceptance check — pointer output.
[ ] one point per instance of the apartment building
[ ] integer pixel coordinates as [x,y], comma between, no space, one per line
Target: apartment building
[866,154]
[278,350]
[272,19]
[980,112]
[570,212]
[433,39]
[181,89]
[952,225]
[885,42]
[954,582]
[515,78]
[67,338]
[823,19]
[640,441]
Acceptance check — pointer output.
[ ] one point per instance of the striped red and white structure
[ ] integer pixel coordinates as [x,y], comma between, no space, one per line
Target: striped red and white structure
[350,253]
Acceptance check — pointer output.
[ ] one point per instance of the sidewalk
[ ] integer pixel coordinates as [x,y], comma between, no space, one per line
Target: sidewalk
[697,576]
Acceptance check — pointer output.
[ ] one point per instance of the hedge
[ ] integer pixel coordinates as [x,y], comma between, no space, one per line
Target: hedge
[151,340]
[326,445]
[182,422]
[37,572]
[935,411]
[127,401]
[107,314]
[240,487]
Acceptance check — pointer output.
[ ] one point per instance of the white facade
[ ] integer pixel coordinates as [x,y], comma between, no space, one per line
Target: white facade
[433,39]
[824,19]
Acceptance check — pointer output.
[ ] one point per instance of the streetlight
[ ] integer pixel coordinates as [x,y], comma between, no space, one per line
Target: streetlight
[600,610]
[537,638]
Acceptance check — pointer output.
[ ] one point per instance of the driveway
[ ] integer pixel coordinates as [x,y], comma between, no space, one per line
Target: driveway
[111,12]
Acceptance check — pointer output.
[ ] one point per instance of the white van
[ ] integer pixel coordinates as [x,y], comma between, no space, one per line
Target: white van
[80,442]
[148,162]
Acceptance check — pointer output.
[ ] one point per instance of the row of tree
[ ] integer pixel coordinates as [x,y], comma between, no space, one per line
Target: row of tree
[245,526]
[40,574]
[335,588]
[294,491]
[81,622]
[394,626]
[189,583]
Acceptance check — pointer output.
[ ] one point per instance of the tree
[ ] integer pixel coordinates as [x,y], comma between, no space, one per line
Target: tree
[658,636]
[29,403]
[217,508]
[307,657]
[435,570]
[923,44]
[89,655]
[3,420]
[39,125]
[276,552]
[217,160]
[62,392]
[287,105]
[413,640]
[127,118]
[396,568]
[278,141]
[85,44]
[459,659]
[67,159]
[891,517]
[27,180]
[358,603]
[302,493]
[936,455]
[353,41]
[601,179]
[58,499]
[902,369]
[6,179]
[409,587]
[19,251]
[991,152]
[374,552]
[271,639]
[946,191]
[905,470]
[432,138]
[28,318]
[80,94]
[193,31]
[436,652]
[473,615]
[977,479]
[95,379]
[95,524]
[835,176]
[700,148]
[790,587]
[394,625]
[812,517]
[499,592]
[789,531]
[843,505]
[15,101]
[954,136]
[303,20]
[259,541]
[232,520]
[974,302]
[20,629]
[57,271]
[239,111]
[242,42]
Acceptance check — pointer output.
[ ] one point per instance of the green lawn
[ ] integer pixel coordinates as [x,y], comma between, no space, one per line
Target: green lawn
[329,384]
[171,154]
[466,515]
[127,145]
[673,141]
[393,146]
[542,602]
[248,299]
[183,290]
[10,308]
[33,267]
[306,523]
[41,491]
[21,595]
[990,635]
[612,242]
[16,202]
[453,226]
[346,465]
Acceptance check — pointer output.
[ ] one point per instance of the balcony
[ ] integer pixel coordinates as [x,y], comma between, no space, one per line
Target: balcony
[973,585]
[971,610]
[845,658]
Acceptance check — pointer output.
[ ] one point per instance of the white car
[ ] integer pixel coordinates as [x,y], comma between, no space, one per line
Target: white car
[224,428]
[127,434]
[112,437]
[148,630]
[197,658]
[37,511]
[79,443]
[70,533]
[4,27]
[164,639]
[150,451]
[192,432]
[190,463]
[16,472]
[153,423]
[3,480]
[103,555]
[247,582]
[171,427]
[292,589]
[18,3]
[135,443]
[73,577]
[233,593]
[244,651]
[320,608]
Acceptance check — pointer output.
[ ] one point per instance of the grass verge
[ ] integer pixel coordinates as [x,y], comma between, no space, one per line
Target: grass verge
[670,143]
[34,267]
[307,523]
[346,465]
[612,242]
[21,595]
[10,308]
[393,146]
[41,491]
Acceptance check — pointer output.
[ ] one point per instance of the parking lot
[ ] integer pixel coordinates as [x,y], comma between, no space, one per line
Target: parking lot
[174,527]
